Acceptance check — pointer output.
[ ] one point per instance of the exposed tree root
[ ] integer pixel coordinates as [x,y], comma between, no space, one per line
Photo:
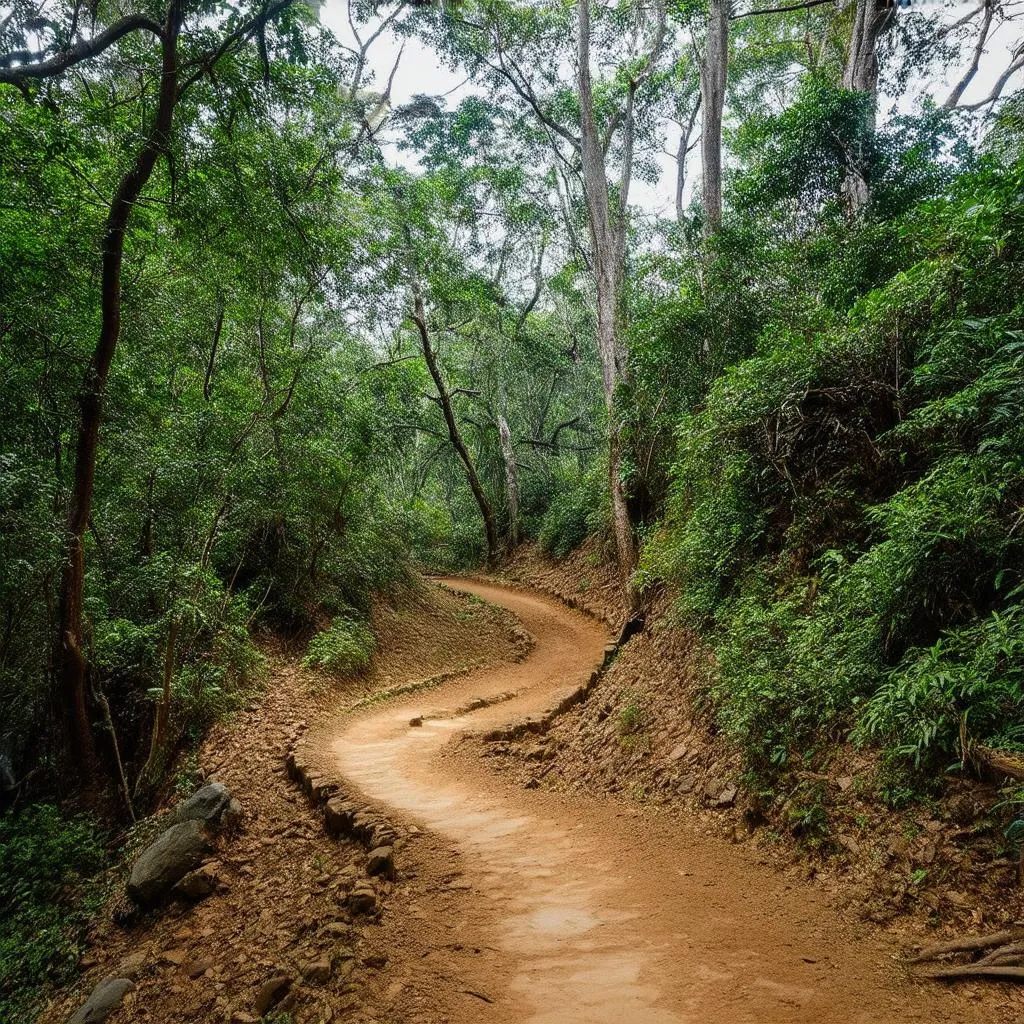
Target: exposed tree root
[970,944]
[977,971]
[1004,959]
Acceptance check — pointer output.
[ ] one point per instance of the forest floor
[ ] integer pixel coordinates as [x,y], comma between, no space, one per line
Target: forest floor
[513,900]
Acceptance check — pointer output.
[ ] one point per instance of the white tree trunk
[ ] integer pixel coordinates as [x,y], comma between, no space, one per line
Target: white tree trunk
[861,75]
[713,71]
[608,252]
[508,454]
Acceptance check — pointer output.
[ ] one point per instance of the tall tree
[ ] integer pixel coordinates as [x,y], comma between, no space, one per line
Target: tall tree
[860,75]
[71,662]
[606,134]
[713,74]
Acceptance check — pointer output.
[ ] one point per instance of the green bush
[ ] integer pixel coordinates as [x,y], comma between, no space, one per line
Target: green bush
[576,510]
[48,864]
[844,517]
[346,647]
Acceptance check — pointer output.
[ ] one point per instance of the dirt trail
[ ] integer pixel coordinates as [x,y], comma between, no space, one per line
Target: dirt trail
[590,913]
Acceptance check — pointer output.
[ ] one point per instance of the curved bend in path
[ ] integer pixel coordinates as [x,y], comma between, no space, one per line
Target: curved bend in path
[596,915]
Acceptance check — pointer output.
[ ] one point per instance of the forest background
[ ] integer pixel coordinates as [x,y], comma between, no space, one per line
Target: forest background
[736,289]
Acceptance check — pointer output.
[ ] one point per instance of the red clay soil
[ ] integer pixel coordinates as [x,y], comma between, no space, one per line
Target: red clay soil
[518,905]
[510,904]
[281,910]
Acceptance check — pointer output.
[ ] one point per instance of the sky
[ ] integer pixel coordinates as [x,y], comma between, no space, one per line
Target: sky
[421,72]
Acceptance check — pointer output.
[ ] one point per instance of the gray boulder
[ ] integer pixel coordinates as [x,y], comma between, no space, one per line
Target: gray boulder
[207,805]
[173,855]
[105,999]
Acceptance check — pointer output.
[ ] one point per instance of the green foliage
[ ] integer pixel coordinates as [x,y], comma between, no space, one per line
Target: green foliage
[48,860]
[345,647]
[632,716]
[844,512]
[576,510]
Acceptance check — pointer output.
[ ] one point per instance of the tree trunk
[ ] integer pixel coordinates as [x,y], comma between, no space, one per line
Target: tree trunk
[712,91]
[608,244]
[487,513]
[861,75]
[511,480]
[70,654]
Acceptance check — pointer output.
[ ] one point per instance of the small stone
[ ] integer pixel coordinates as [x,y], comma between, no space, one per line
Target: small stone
[338,929]
[106,997]
[844,782]
[727,797]
[132,965]
[720,793]
[381,861]
[199,884]
[848,843]
[375,960]
[318,972]
[197,968]
[271,992]
[361,901]
[678,752]
[231,817]
[241,1017]
[531,783]
[687,784]
[174,956]
[416,722]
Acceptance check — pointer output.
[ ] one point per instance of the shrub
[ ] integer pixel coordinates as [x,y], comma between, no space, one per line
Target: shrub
[577,510]
[844,517]
[48,861]
[346,647]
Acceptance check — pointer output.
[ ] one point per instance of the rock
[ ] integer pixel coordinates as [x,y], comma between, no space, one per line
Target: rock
[416,722]
[375,960]
[271,992]
[133,965]
[338,929]
[197,968]
[678,752]
[531,783]
[231,816]
[720,793]
[105,999]
[687,784]
[844,782]
[848,843]
[207,804]
[381,862]
[361,900]
[240,1017]
[199,884]
[317,973]
[173,855]
[727,797]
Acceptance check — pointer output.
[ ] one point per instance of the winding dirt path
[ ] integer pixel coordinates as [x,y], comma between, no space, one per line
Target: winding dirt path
[585,913]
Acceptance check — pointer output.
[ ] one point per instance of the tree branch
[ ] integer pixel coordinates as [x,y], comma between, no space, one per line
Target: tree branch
[781,10]
[75,54]
[972,70]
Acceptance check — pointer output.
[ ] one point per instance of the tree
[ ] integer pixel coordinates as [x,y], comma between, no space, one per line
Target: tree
[583,154]
[713,71]
[72,668]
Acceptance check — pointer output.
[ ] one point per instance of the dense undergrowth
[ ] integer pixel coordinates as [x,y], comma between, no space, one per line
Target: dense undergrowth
[846,508]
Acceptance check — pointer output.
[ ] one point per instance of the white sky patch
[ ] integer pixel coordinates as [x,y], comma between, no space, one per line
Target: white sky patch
[420,71]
